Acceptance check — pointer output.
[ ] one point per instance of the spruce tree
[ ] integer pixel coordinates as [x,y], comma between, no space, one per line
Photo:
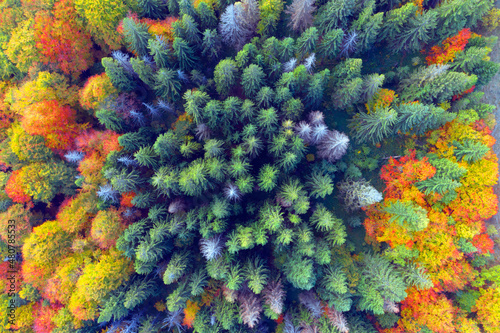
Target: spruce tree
[211,44]
[252,80]
[166,84]
[470,150]
[375,126]
[160,51]
[185,54]
[330,44]
[118,76]
[410,216]
[136,35]
[225,75]
[301,14]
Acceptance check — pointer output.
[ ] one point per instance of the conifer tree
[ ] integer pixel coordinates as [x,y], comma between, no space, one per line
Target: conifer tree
[160,51]
[417,32]
[438,184]
[252,80]
[348,94]
[412,217]
[190,30]
[185,54]
[136,35]
[330,44]
[357,194]
[119,77]
[334,14]
[306,43]
[301,16]
[470,151]
[211,44]
[375,126]
[225,75]
[233,27]
[143,70]
[379,281]
[207,15]
[152,8]
[166,84]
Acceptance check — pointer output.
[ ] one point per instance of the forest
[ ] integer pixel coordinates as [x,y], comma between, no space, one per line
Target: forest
[289,166]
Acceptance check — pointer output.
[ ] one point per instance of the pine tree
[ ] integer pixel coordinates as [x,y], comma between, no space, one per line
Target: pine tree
[471,151]
[267,120]
[333,146]
[136,35]
[177,266]
[274,295]
[320,185]
[257,274]
[225,75]
[395,20]
[143,70]
[195,102]
[166,145]
[152,8]
[268,177]
[330,44]
[147,156]
[138,292]
[372,84]
[252,80]
[312,302]
[166,84]
[197,281]
[417,32]
[334,280]
[379,281]
[233,27]
[410,216]
[334,14]
[211,43]
[419,118]
[265,97]
[119,77]
[250,309]
[126,181]
[185,54]
[190,29]
[160,51]
[299,271]
[207,15]
[301,14]
[110,119]
[375,126]
[349,94]
[438,184]
[447,168]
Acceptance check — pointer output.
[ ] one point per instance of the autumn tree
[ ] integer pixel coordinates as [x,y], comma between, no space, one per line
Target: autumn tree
[61,41]
[55,122]
[107,226]
[102,18]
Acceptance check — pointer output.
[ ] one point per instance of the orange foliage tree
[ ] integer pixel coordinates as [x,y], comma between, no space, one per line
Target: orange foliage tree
[488,309]
[96,145]
[15,188]
[61,40]
[96,90]
[451,46]
[427,308]
[190,312]
[55,122]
